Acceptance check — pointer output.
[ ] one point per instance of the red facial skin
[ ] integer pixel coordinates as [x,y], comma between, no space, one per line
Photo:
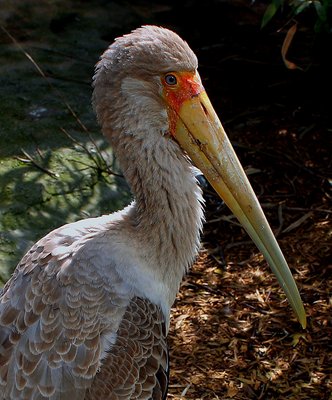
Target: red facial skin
[188,86]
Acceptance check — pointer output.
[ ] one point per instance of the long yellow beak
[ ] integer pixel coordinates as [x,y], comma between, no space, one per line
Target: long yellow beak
[200,133]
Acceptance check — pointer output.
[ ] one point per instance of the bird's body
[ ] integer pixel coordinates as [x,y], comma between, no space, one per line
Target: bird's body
[69,297]
[86,312]
[77,282]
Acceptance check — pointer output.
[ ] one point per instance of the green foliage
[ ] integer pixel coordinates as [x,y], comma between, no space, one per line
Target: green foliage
[271,10]
[321,8]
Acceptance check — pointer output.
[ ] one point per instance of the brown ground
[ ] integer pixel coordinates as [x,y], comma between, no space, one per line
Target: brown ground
[233,336]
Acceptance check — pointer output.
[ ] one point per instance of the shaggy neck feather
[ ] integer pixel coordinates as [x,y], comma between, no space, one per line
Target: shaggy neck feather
[167,212]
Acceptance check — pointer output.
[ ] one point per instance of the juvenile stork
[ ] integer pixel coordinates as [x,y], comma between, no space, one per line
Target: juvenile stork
[86,313]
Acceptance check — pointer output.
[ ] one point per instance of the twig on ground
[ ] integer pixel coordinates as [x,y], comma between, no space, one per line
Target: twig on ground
[30,159]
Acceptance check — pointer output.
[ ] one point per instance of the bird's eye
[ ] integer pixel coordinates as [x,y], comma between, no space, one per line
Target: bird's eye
[171,80]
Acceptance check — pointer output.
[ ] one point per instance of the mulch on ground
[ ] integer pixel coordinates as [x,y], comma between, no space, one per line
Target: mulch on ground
[233,333]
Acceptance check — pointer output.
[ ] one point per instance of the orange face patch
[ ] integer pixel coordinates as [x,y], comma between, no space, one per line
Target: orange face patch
[178,87]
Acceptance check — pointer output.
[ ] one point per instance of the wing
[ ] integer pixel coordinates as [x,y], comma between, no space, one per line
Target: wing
[136,367]
[55,312]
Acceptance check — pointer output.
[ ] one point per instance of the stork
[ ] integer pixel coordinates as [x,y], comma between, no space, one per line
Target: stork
[86,312]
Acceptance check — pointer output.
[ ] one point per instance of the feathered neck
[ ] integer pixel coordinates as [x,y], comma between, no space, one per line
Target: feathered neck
[167,213]
[162,227]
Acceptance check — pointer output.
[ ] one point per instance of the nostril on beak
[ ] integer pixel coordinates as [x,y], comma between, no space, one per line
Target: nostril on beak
[205,110]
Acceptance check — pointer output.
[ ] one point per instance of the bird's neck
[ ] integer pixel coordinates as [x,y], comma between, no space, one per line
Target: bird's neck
[167,215]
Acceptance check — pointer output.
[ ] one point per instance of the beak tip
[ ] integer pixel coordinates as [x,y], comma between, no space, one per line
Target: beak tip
[303,321]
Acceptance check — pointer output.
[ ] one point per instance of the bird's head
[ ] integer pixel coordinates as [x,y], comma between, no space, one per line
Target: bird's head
[140,78]
[150,77]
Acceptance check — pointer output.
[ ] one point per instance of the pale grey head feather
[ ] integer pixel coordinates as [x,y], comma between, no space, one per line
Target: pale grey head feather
[149,49]
[143,55]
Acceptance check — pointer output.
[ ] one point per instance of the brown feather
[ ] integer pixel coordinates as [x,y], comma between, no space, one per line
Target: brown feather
[131,366]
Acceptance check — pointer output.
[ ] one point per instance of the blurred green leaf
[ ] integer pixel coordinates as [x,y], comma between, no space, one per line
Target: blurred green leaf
[270,11]
[301,7]
[321,10]
[297,7]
